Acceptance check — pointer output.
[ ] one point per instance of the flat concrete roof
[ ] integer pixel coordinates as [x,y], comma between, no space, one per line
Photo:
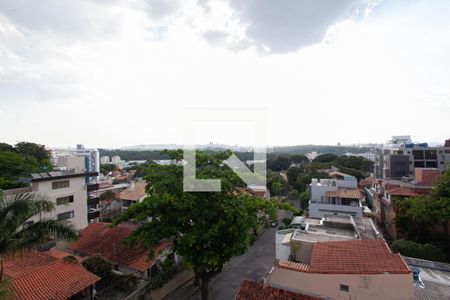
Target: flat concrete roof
[323,234]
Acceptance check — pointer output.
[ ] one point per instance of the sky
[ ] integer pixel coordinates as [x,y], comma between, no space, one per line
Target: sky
[113,73]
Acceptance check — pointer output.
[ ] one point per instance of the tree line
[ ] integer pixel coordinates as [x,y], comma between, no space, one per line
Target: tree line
[20,160]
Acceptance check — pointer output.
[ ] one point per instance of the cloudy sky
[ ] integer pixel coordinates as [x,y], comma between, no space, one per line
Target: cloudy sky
[110,73]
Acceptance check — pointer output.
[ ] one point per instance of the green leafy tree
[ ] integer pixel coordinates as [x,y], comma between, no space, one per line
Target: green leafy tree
[276,184]
[208,228]
[292,174]
[286,221]
[413,249]
[16,236]
[107,168]
[324,158]
[6,147]
[442,186]
[356,163]
[302,182]
[299,159]
[19,162]
[278,163]
[304,200]
[35,150]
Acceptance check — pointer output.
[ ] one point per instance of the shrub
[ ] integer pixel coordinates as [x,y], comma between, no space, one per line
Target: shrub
[413,249]
[97,265]
[287,221]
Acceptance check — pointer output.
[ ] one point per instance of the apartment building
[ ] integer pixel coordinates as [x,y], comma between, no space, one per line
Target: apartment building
[336,196]
[91,157]
[115,160]
[382,193]
[104,160]
[358,269]
[68,190]
[399,157]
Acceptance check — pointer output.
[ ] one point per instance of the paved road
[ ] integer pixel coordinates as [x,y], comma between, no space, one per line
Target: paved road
[254,264]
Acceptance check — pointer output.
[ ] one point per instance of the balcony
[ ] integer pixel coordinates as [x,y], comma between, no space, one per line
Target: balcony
[92,187]
[93,214]
[93,201]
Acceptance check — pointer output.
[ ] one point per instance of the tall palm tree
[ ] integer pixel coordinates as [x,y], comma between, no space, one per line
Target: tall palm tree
[16,236]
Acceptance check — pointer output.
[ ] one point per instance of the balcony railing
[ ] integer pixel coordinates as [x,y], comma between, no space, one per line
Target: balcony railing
[93,201]
[93,213]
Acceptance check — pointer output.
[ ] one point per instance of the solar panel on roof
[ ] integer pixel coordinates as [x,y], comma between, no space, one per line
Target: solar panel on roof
[44,175]
[35,175]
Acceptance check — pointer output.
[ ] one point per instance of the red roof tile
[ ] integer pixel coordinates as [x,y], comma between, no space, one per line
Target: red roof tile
[134,193]
[250,290]
[351,257]
[16,266]
[399,191]
[356,257]
[294,266]
[98,238]
[46,278]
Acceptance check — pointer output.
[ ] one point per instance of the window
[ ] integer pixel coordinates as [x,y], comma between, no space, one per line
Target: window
[60,184]
[66,215]
[431,164]
[64,200]
[419,164]
[430,154]
[344,287]
[418,154]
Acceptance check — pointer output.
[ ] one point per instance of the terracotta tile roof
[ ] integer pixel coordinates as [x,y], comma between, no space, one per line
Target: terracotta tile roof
[399,191]
[250,290]
[356,257]
[16,266]
[134,194]
[98,238]
[294,266]
[258,192]
[49,278]
[344,193]
[59,254]
[351,257]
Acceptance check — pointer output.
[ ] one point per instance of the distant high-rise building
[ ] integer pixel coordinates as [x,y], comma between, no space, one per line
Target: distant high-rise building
[399,157]
[115,160]
[91,157]
[104,160]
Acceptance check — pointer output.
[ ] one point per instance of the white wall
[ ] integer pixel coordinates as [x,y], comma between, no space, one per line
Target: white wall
[77,188]
[361,286]
[282,252]
[319,210]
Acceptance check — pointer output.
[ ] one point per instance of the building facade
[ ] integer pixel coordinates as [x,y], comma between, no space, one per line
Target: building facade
[104,160]
[68,190]
[399,157]
[361,269]
[384,192]
[336,196]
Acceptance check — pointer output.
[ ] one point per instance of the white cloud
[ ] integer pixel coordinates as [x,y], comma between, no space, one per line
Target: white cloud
[128,85]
